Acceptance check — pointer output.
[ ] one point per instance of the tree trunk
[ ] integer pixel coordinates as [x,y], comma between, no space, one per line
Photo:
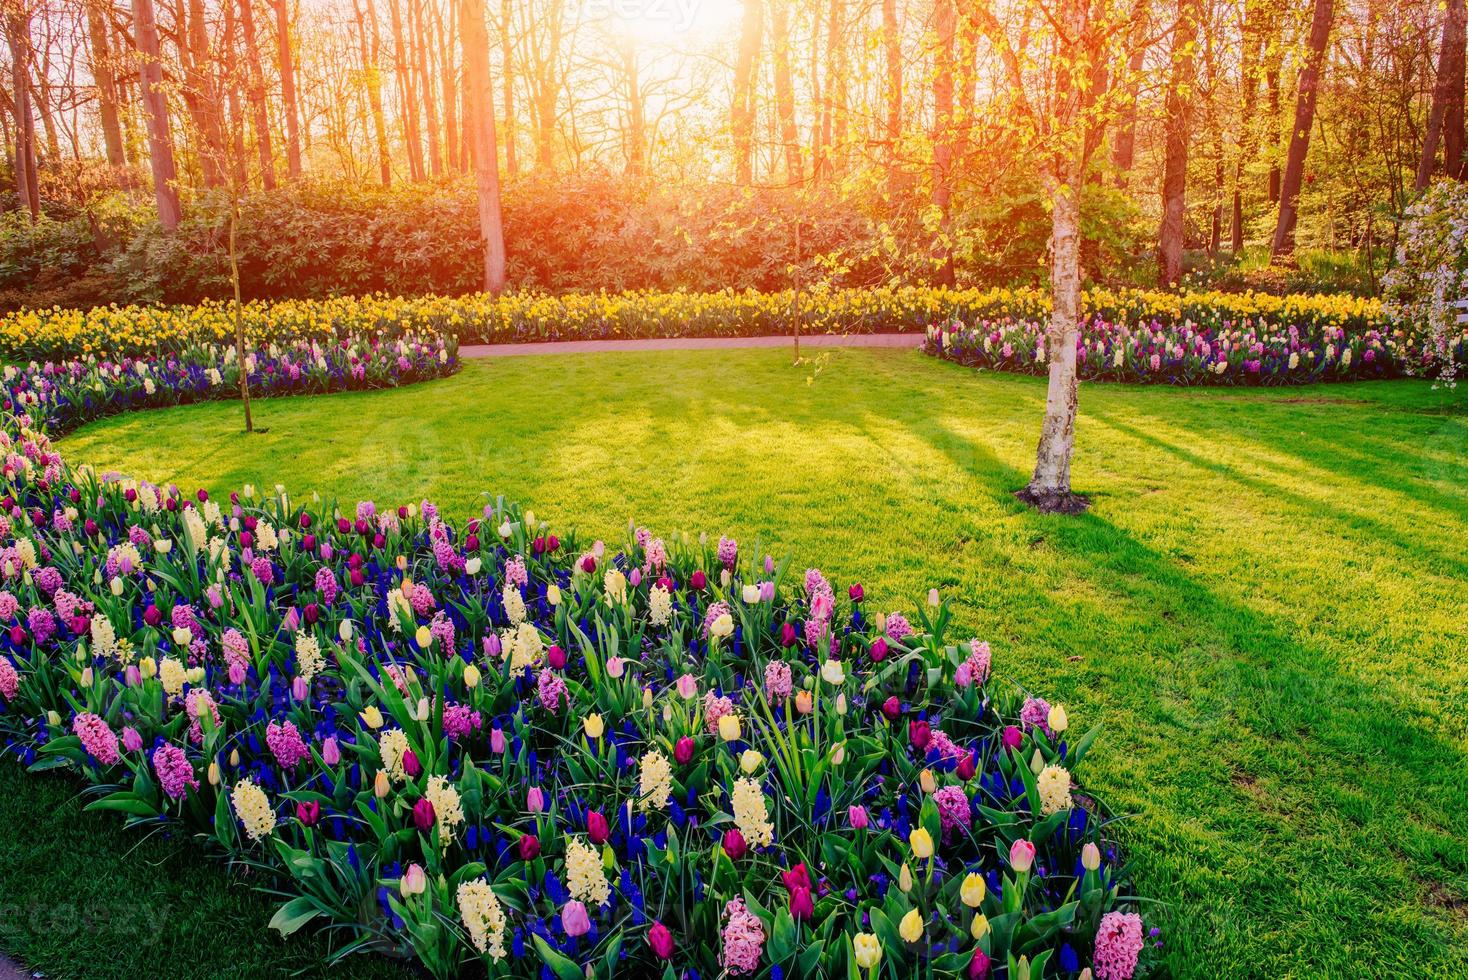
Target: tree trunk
[234,124]
[449,72]
[1248,139]
[741,118]
[288,89]
[636,132]
[18,33]
[1271,119]
[255,91]
[200,95]
[1445,120]
[785,93]
[371,49]
[479,116]
[1049,487]
[406,94]
[945,20]
[892,46]
[425,78]
[507,56]
[155,113]
[1178,123]
[1289,192]
[834,89]
[1124,150]
[103,75]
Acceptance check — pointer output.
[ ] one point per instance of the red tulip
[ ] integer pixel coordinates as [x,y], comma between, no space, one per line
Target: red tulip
[423,815]
[796,877]
[596,828]
[698,580]
[787,634]
[879,649]
[411,765]
[802,906]
[683,750]
[734,845]
[660,938]
[309,813]
[978,967]
[529,847]
[892,708]
[556,657]
[919,733]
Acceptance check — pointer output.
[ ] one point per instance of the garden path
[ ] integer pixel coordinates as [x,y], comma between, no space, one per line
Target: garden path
[691,343]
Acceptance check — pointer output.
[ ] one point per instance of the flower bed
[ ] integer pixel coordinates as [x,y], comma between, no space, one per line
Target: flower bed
[556,758]
[1246,353]
[518,317]
[67,394]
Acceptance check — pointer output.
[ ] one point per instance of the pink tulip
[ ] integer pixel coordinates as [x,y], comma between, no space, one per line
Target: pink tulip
[497,740]
[857,817]
[1022,855]
[574,919]
[535,800]
[331,753]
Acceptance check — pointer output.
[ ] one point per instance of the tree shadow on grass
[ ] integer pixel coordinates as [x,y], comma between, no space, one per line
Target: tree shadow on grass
[1289,723]
[1315,509]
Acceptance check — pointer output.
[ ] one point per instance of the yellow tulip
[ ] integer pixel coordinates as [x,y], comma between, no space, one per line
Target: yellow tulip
[911,926]
[729,727]
[866,950]
[471,677]
[594,726]
[372,717]
[979,927]
[921,842]
[973,890]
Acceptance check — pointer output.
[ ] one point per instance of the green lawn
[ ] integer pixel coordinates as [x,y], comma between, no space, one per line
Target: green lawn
[1265,606]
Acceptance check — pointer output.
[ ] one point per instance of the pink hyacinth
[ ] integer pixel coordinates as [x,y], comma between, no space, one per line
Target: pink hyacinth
[442,630]
[516,573]
[9,680]
[263,570]
[714,708]
[98,739]
[175,773]
[1036,714]
[979,661]
[461,721]
[326,585]
[816,584]
[778,683]
[422,599]
[954,811]
[898,627]
[728,552]
[195,703]
[744,939]
[552,690]
[1118,943]
[286,745]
